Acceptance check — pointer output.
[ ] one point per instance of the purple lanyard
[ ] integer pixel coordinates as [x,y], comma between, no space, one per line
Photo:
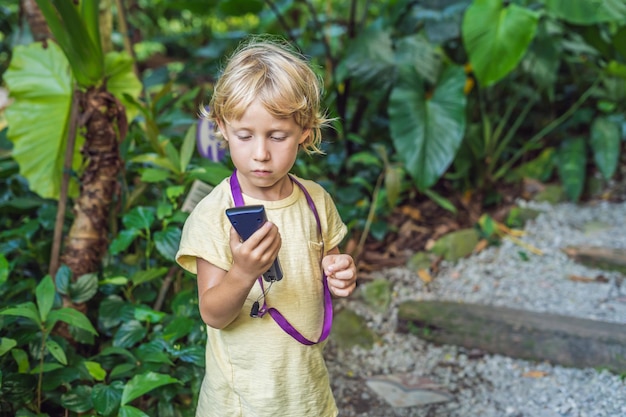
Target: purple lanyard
[235,189]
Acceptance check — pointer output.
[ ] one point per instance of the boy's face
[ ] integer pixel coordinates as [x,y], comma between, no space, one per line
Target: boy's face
[263,149]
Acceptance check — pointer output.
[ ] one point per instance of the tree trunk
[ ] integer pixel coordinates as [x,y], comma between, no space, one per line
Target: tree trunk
[36,22]
[565,340]
[105,124]
[608,259]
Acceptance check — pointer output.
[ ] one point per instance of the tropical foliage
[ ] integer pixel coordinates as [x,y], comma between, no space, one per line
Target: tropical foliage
[433,99]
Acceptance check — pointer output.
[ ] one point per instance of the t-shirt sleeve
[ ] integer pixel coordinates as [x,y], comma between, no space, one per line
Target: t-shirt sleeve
[336,230]
[205,235]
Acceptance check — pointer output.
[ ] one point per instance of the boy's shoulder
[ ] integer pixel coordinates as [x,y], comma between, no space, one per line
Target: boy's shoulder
[314,188]
[219,196]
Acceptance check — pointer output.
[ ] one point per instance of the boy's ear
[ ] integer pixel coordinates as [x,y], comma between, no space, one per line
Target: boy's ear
[220,127]
[304,136]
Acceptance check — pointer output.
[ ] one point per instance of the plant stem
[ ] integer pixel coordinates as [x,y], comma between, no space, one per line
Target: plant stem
[370,216]
[547,129]
[40,379]
[62,204]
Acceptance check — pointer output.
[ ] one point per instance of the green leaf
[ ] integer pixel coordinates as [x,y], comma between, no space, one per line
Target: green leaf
[95,370]
[150,158]
[90,14]
[6,345]
[179,327]
[172,155]
[540,168]
[571,164]
[427,132]
[27,310]
[106,399]
[616,69]
[192,354]
[153,352]
[62,279]
[18,388]
[78,399]
[130,411]
[21,359]
[487,225]
[588,12]
[56,25]
[85,287]
[393,185]
[129,334]
[440,200]
[143,313]
[153,175]
[73,318]
[174,191]
[144,383]
[366,158]
[418,52]
[112,350]
[62,377]
[139,218]
[619,40]
[123,370]
[141,277]
[543,59]
[122,81]
[40,83]
[56,351]
[84,55]
[123,240]
[114,281]
[605,143]
[112,311]
[496,37]
[188,147]
[165,209]
[44,293]
[166,242]
[4,269]
[369,59]
[46,367]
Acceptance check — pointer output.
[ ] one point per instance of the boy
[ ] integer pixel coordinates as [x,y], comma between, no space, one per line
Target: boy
[266,105]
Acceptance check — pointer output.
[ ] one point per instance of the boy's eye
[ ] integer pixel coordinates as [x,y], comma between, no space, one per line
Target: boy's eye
[278,137]
[243,137]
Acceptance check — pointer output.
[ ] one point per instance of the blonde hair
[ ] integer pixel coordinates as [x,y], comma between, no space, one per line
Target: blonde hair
[277,75]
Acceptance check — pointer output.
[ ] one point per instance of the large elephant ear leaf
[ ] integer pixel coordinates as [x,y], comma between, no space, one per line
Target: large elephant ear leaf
[40,82]
[427,132]
[369,59]
[587,12]
[496,37]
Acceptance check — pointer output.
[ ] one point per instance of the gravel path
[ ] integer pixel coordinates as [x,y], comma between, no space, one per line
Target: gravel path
[487,385]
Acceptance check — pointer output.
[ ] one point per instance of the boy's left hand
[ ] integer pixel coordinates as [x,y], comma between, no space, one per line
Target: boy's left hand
[341,273]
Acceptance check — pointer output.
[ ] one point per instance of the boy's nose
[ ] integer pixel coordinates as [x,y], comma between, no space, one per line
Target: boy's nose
[261,152]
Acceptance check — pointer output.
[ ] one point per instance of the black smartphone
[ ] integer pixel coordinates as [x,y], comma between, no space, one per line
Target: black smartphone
[246,220]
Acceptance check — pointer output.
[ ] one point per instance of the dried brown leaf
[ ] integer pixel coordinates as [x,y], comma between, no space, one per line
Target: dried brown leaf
[424,276]
[535,374]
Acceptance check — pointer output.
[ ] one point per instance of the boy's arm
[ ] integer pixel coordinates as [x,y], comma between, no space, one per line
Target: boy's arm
[340,271]
[222,293]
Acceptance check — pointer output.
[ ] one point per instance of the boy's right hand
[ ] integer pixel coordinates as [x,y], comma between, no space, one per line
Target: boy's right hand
[255,256]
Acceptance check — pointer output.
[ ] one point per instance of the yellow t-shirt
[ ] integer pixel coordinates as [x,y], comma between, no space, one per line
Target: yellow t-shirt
[253,367]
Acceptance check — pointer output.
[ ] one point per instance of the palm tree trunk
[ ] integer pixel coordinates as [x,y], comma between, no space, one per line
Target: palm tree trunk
[37,23]
[105,124]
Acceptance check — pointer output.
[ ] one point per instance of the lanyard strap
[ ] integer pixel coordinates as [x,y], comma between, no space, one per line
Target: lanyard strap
[284,324]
